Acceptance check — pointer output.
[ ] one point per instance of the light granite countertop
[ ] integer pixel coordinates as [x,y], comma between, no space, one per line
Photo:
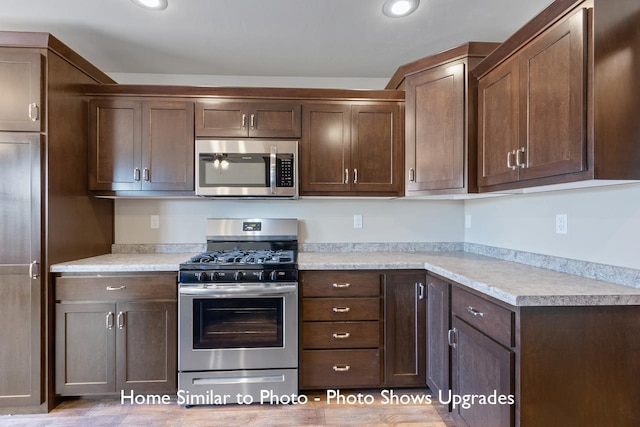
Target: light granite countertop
[514,283]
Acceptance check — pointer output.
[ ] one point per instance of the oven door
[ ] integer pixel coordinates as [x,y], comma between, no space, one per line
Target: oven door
[246,168]
[238,326]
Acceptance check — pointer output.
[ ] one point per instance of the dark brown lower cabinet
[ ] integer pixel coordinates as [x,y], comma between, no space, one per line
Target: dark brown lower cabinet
[438,325]
[112,346]
[404,329]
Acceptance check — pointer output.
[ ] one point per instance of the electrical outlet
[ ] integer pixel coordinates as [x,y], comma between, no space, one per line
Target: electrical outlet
[357,221]
[467,221]
[561,224]
[154,221]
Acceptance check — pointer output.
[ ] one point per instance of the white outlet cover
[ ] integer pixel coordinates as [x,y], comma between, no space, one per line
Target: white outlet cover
[357,221]
[154,221]
[562,224]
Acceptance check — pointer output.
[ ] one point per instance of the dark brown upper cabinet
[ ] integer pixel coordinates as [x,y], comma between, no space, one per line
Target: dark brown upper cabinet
[557,100]
[141,145]
[21,100]
[241,119]
[351,149]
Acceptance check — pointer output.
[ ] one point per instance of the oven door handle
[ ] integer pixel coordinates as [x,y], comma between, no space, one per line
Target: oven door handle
[234,292]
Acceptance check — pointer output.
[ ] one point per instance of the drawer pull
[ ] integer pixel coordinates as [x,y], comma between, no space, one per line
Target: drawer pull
[341,335]
[475,312]
[341,368]
[116,288]
[341,309]
[341,285]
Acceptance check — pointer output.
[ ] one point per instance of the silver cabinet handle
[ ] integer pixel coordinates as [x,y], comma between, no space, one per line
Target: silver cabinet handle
[451,335]
[109,320]
[412,175]
[252,121]
[346,176]
[341,285]
[145,174]
[355,176]
[341,368]
[519,163]
[420,290]
[341,335]
[116,288]
[136,174]
[121,320]
[341,309]
[474,312]
[509,165]
[34,112]
[34,270]
[244,121]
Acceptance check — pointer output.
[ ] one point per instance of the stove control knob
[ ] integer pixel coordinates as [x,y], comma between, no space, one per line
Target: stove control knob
[201,276]
[238,275]
[214,276]
[274,275]
[262,275]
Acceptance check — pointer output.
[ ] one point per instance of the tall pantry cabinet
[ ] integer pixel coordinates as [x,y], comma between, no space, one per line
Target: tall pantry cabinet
[46,215]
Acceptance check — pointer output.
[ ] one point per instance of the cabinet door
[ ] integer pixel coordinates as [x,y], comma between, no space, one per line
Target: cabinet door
[20,291]
[553,101]
[275,120]
[168,146]
[85,348]
[147,346]
[481,367]
[115,132]
[404,329]
[438,321]
[376,149]
[498,125]
[21,106]
[435,141]
[222,119]
[326,148]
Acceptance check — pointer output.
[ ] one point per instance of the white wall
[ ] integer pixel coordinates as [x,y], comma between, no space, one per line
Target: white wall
[322,220]
[603,224]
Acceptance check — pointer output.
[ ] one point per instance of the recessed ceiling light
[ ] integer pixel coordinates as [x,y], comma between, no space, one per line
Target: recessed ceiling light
[152,4]
[399,8]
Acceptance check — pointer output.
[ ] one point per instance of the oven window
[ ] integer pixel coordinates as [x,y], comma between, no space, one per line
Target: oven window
[237,323]
[234,170]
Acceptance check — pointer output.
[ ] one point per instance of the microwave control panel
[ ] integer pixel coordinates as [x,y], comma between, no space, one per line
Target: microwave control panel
[285,172]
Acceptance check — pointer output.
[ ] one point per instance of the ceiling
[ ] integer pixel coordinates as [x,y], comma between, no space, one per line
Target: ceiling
[287,38]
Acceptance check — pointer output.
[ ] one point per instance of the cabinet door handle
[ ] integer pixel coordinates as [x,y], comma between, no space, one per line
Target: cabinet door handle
[341,309]
[521,164]
[509,165]
[116,288]
[341,368]
[420,290]
[34,112]
[145,174]
[244,121]
[474,312]
[109,320]
[341,285]
[34,270]
[412,175]
[136,174]
[121,320]
[355,176]
[252,121]
[341,335]
[451,337]
[346,176]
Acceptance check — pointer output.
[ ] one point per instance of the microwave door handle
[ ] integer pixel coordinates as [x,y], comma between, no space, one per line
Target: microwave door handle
[272,169]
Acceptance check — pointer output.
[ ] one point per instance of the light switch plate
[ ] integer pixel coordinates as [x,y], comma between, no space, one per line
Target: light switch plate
[154,221]
[357,221]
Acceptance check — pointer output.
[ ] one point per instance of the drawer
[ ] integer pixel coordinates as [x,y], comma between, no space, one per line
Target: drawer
[340,284]
[116,288]
[495,321]
[340,368]
[340,335]
[341,309]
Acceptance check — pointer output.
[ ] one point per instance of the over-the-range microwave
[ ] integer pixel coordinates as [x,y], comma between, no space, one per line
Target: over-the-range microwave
[246,168]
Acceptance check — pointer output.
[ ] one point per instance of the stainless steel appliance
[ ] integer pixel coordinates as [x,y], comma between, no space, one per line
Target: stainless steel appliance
[246,168]
[238,311]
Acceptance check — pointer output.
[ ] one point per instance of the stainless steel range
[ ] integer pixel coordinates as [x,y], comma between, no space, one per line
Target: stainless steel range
[238,311]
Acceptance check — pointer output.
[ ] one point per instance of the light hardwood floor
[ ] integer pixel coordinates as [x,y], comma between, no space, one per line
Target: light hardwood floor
[110,412]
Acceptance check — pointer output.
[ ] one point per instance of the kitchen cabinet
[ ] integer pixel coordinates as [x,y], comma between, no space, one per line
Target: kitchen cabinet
[341,329]
[440,121]
[141,145]
[438,324]
[46,215]
[21,76]
[552,110]
[350,149]
[116,333]
[404,328]
[237,118]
